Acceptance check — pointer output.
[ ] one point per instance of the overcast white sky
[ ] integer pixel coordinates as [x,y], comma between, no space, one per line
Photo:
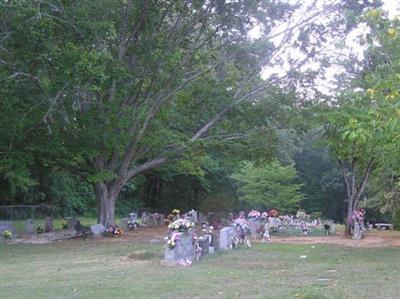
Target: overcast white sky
[392,7]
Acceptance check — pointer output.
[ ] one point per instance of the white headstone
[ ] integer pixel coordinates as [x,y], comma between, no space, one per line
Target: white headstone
[30,226]
[225,237]
[97,229]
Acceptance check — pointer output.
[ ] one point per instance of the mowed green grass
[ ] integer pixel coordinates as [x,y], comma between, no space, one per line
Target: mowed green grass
[92,269]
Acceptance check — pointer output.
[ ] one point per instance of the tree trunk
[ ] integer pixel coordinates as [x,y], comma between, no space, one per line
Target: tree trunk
[348,223]
[105,204]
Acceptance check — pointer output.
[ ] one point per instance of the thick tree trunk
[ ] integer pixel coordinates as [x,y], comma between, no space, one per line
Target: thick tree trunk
[105,204]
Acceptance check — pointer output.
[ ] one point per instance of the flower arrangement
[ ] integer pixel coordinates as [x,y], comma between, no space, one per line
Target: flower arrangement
[198,249]
[273,213]
[176,211]
[170,218]
[207,230]
[171,240]
[181,225]
[301,214]
[358,216]
[39,229]
[185,263]
[112,231]
[7,235]
[264,215]
[254,214]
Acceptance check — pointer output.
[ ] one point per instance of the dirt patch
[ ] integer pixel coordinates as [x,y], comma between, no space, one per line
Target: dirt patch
[141,255]
[371,239]
[156,235]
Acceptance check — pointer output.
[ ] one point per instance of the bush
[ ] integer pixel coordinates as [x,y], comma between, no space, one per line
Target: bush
[7,235]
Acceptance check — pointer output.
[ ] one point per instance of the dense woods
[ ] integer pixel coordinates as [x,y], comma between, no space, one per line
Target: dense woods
[111,106]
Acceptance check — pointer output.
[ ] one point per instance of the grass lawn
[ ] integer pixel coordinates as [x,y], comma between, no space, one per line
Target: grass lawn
[92,269]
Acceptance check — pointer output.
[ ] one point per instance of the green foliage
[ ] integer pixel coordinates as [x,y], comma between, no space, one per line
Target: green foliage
[269,185]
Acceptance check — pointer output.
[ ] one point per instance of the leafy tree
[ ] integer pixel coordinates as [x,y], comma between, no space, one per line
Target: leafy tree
[362,129]
[125,86]
[269,186]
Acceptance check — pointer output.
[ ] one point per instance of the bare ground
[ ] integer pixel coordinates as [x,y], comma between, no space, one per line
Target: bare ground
[156,235]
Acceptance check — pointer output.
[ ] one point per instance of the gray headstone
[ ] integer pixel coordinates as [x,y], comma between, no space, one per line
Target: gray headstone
[332,229]
[204,243]
[357,232]
[97,229]
[201,218]
[150,220]
[254,225]
[7,225]
[225,237]
[71,222]
[124,224]
[133,216]
[160,219]
[48,224]
[144,214]
[182,250]
[30,226]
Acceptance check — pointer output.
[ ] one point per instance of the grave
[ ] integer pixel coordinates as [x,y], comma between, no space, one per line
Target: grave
[71,222]
[183,249]
[124,224]
[160,219]
[133,216]
[150,220]
[48,224]
[357,231]
[97,229]
[254,225]
[30,226]
[204,243]
[7,225]
[201,218]
[225,237]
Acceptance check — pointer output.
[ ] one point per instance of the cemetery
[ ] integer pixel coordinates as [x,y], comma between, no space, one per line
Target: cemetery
[200,149]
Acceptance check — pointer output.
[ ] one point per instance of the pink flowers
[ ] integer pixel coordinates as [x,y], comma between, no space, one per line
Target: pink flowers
[254,214]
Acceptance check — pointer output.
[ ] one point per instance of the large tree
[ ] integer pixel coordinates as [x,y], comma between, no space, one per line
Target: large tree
[128,85]
[362,128]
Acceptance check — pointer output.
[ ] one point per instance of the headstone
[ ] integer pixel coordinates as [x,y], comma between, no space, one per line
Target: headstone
[332,229]
[133,216]
[254,225]
[144,214]
[71,222]
[225,237]
[194,214]
[160,220]
[357,232]
[183,249]
[150,220]
[97,229]
[201,218]
[7,225]
[30,226]
[48,224]
[204,243]
[124,224]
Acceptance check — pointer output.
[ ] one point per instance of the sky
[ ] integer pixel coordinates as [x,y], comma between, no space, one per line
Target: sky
[351,46]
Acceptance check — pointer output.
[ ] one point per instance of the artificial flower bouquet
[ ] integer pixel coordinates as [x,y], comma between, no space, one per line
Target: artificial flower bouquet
[172,239]
[273,213]
[113,231]
[181,225]
[176,211]
[7,235]
[254,214]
